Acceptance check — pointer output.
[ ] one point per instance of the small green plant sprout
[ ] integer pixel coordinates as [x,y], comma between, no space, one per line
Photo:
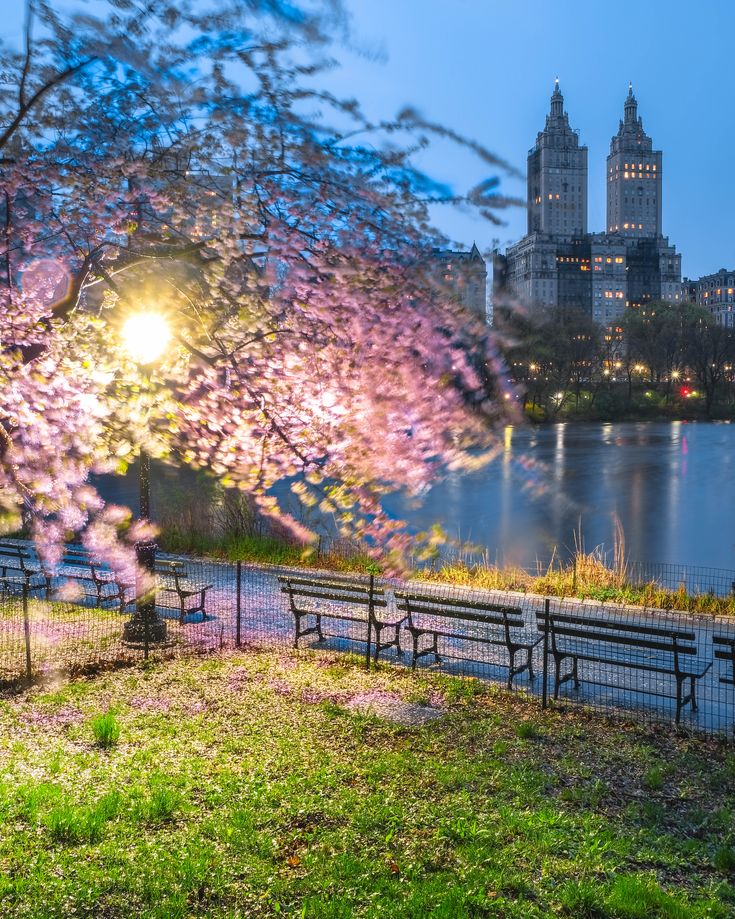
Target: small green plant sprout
[106,730]
[653,780]
[526,730]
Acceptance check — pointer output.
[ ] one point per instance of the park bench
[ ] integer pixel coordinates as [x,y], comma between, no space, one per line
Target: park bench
[649,648]
[724,647]
[480,621]
[176,589]
[20,569]
[312,600]
[98,580]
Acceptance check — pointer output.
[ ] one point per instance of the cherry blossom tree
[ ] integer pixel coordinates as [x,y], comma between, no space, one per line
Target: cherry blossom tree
[181,154]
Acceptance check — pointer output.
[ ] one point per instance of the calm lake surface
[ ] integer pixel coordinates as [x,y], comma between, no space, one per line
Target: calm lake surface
[671,485]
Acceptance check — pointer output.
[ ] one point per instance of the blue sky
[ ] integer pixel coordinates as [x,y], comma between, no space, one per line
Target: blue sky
[487,69]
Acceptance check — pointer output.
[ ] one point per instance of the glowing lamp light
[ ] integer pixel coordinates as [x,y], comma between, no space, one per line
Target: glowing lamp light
[146,336]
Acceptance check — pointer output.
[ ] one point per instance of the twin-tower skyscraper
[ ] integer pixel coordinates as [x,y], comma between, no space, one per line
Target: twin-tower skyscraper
[559,263]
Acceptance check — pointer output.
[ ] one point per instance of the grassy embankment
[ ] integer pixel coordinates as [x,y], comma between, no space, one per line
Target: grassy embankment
[256,785]
[586,577]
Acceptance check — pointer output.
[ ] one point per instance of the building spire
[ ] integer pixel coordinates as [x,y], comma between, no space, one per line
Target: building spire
[631,106]
[557,100]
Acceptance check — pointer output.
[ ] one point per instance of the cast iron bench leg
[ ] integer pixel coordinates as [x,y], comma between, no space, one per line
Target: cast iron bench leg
[694,694]
[557,675]
[512,669]
[378,646]
[679,701]
[399,650]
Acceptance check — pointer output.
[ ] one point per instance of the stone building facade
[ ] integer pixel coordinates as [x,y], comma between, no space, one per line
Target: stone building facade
[559,263]
[716,293]
[464,277]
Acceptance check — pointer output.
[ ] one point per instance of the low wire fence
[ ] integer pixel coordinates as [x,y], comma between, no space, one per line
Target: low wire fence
[654,665]
[694,580]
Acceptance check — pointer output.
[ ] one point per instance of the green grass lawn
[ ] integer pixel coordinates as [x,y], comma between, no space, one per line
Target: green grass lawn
[258,785]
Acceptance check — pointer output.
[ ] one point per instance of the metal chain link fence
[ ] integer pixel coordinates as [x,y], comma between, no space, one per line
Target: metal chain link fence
[654,665]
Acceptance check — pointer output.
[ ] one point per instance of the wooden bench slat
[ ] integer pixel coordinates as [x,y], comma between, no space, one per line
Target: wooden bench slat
[726,652]
[514,622]
[343,597]
[452,602]
[653,644]
[615,625]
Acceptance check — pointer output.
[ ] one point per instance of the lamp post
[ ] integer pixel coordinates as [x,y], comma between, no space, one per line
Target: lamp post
[145,335]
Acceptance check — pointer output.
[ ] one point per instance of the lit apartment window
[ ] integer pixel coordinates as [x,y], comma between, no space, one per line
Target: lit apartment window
[618,259]
[618,295]
[608,295]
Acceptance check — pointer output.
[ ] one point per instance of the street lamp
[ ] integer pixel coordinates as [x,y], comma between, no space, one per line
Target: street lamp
[145,335]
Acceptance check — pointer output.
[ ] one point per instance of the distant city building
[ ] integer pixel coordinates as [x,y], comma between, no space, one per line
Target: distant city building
[715,292]
[464,276]
[559,263]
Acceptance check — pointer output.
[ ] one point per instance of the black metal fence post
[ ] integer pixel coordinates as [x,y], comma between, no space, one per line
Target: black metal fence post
[545,667]
[369,622]
[27,633]
[238,605]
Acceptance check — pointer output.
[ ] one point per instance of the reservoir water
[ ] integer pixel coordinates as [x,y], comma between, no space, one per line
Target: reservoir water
[671,486]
